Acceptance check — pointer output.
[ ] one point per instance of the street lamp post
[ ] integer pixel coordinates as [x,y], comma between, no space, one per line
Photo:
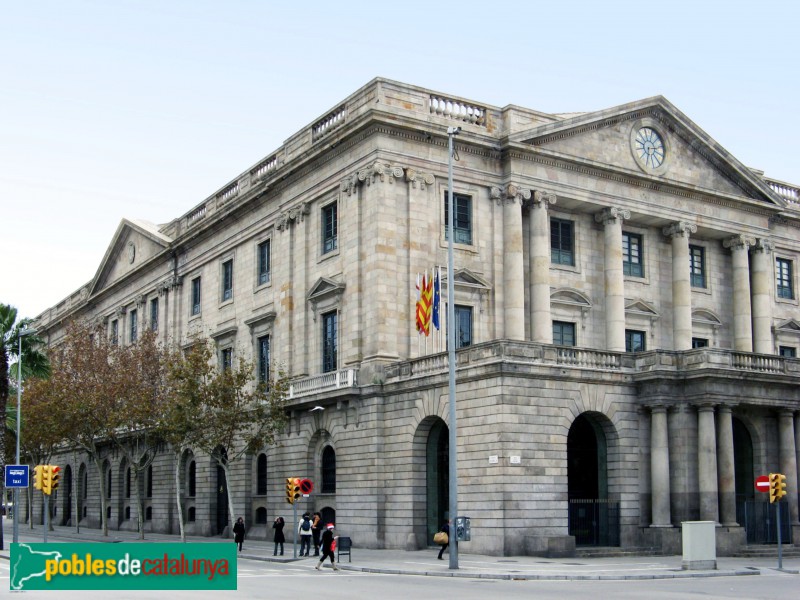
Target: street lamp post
[22,333]
[451,356]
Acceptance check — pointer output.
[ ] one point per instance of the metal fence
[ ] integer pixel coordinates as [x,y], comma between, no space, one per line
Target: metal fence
[594,522]
[760,521]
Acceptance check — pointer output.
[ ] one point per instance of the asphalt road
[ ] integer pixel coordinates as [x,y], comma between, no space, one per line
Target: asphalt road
[299,581]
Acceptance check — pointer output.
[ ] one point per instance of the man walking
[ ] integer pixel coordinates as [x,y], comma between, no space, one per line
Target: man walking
[327,548]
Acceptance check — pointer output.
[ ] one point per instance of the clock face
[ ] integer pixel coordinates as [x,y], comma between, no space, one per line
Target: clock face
[649,147]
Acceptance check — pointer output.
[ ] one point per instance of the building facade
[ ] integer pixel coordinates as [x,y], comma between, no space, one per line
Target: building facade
[627,326]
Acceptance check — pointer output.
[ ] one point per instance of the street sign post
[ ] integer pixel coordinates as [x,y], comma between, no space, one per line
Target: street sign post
[762,483]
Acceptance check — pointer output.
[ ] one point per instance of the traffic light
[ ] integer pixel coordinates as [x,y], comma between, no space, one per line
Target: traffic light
[47,479]
[38,476]
[777,486]
[292,489]
[55,477]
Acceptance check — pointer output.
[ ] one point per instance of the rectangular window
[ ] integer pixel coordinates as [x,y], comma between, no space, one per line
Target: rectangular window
[462,218]
[114,332]
[563,333]
[263,262]
[227,280]
[196,296]
[330,228]
[154,314]
[788,351]
[463,326]
[699,342]
[634,341]
[783,275]
[134,322]
[263,359]
[562,242]
[697,266]
[226,358]
[329,333]
[632,263]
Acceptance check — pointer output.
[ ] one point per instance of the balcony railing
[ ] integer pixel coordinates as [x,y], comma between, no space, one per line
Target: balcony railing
[337,380]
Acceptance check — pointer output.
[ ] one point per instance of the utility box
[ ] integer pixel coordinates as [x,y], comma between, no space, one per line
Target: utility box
[462,529]
[699,545]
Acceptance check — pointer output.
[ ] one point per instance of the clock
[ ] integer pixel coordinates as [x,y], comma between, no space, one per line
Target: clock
[649,147]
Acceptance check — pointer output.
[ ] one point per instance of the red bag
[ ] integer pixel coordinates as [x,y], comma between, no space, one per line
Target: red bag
[333,545]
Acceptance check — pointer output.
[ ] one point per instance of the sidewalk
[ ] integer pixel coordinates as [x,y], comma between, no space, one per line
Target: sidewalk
[425,563]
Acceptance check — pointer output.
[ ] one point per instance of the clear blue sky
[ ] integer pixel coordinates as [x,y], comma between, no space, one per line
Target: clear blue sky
[142,109]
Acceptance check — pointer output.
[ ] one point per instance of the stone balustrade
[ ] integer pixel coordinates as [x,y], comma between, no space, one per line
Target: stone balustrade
[457,109]
[329,123]
[227,193]
[788,192]
[345,378]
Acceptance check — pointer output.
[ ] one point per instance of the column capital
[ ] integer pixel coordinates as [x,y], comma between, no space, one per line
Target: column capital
[380,171]
[763,245]
[612,215]
[659,406]
[739,242]
[510,194]
[542,199]
[295,214]
[705,406]
[679,229]
[415,177]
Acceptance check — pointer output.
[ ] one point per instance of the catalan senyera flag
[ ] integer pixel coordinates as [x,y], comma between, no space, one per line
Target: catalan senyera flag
[426,303]
[418,306]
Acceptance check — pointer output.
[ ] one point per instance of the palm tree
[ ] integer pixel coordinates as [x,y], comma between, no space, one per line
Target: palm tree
[34,362]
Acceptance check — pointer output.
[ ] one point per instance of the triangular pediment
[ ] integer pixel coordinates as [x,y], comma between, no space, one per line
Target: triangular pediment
[571,297]
[640,307]
[790,325]
[134,244]
[324,288]
[606,140]
[468,279]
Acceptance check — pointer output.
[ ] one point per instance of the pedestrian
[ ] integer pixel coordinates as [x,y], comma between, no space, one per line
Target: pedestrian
[446,529]
[316,531]
[279,538]
[304,529]
[327,548]
[238,532]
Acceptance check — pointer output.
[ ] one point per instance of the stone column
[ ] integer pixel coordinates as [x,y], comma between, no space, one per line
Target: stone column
[727,473]
[742,316]
[541,321]
[681,284]
[707,463]
[612,218]
[659,467]
[539,253]
[762,298]
[512,198]
[788,458]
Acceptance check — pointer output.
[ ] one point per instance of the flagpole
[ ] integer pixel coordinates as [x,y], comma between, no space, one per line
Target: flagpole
[451,355]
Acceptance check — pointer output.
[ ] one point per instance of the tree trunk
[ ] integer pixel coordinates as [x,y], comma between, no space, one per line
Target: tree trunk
[75,496]
[225,469]
[137,496]
[103,519]
[178,495]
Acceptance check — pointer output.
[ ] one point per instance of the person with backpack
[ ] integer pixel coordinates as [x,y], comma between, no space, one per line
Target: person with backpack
[316,531]
[304,529]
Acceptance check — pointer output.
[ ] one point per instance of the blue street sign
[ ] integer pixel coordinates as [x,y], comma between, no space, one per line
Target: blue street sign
[17,476]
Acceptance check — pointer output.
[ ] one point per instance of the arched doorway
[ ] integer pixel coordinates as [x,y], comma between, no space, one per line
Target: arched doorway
[743,469]
[593,517]
[437,477]
[67,497]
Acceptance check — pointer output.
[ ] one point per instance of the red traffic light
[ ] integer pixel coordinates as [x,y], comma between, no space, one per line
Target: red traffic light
[306,486]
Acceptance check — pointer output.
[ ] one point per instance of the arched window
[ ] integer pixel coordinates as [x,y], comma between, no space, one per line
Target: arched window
[192,479]
[150,481]
[328,470]
[261,476]
[128,483]
[108,482]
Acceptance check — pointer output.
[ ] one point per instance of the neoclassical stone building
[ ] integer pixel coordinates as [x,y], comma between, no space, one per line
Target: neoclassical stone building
[626,299]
